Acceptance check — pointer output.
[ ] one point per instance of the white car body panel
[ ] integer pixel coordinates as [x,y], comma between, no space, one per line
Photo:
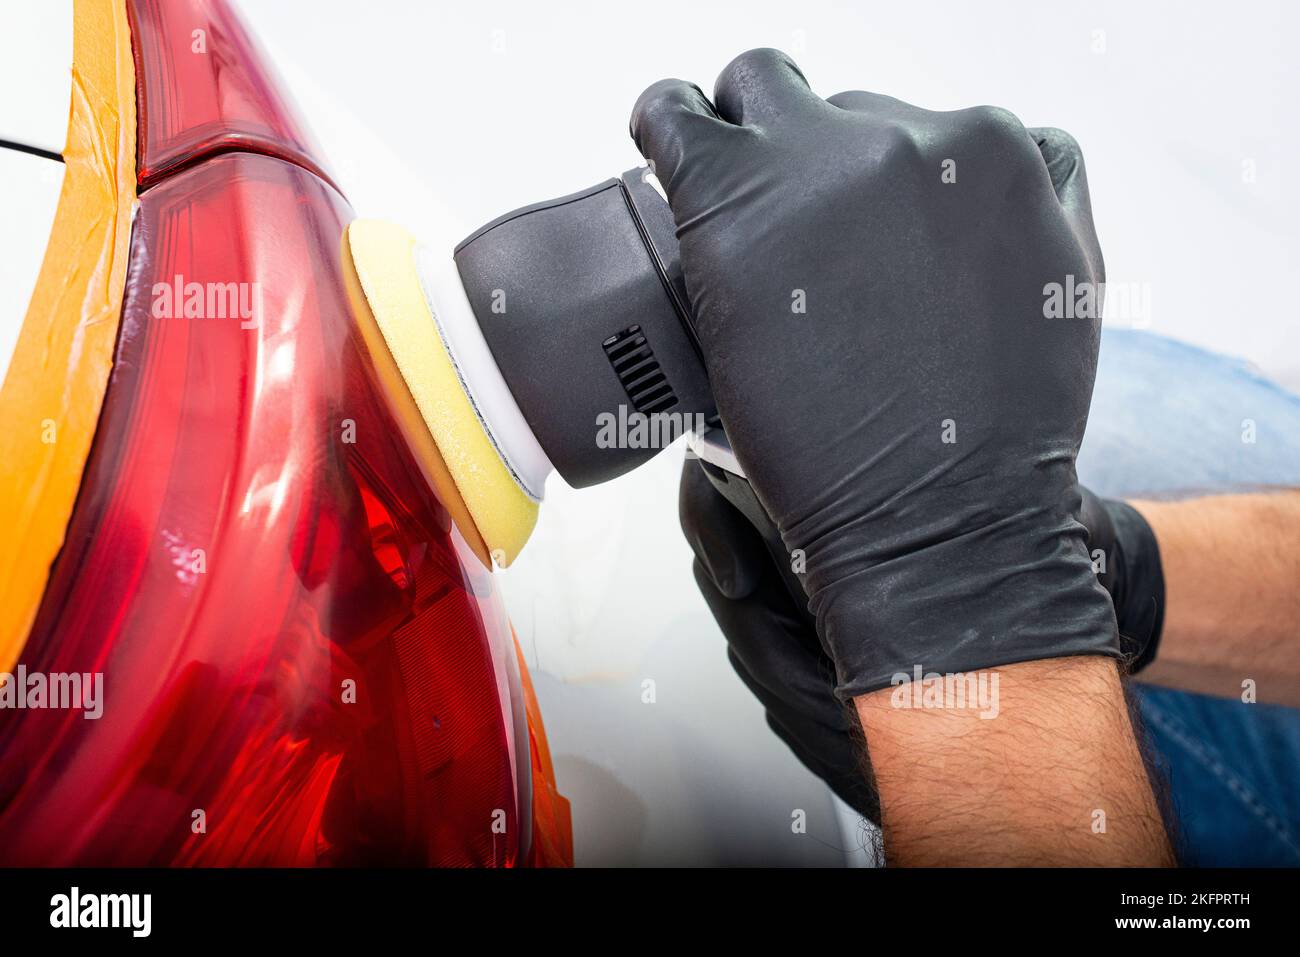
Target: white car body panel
[29,196]
[36,61]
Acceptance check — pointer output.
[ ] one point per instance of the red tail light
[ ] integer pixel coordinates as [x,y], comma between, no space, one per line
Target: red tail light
[205,88]
[252,540]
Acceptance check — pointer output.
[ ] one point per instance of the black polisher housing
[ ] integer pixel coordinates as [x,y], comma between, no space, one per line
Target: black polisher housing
[582,303]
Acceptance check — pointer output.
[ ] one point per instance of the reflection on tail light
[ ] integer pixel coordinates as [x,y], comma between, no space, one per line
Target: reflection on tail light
[204,87]
[302,662]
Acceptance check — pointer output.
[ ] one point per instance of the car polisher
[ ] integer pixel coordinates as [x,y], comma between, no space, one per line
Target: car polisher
[542,342]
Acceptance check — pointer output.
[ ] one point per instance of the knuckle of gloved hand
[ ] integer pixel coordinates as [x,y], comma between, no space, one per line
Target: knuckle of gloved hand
[996,131]
[1055,141]
[759,62]
[661,105]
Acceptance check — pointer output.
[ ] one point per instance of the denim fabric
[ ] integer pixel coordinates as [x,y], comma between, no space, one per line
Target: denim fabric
[1168,419]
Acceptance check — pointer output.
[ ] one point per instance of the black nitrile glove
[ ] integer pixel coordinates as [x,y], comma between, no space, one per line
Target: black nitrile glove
[869,282]
[1127,561]
[740,568]
[771,638]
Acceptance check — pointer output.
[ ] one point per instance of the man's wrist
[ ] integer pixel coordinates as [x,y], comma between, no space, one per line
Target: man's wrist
[1042,770]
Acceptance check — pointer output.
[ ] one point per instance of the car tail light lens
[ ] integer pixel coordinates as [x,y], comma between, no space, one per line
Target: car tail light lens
[204,88]
[302,661]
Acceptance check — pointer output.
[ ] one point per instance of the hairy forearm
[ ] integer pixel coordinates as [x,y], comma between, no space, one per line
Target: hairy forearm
[1055,778]
[1232,595]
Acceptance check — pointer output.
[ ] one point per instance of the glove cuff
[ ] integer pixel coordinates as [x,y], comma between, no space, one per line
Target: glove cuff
[966,605]
[1139,585]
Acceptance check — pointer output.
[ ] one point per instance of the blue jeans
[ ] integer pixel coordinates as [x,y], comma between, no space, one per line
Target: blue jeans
[1169,418]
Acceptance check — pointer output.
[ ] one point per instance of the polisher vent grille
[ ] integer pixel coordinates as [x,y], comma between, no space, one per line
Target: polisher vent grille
[637,368]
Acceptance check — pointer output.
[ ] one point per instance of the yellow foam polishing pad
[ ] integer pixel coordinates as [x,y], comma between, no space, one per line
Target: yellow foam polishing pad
[493,512]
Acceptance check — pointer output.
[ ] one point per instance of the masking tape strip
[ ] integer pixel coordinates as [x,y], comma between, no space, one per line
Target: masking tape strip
[552,818]
[51,397]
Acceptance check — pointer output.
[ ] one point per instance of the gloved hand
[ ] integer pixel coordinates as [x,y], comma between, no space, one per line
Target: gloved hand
[771,638]
[868,281]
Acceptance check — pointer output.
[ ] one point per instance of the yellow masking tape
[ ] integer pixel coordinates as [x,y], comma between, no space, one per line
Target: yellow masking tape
[51,396]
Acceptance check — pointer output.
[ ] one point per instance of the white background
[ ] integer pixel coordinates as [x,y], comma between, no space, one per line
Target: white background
[442,115]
